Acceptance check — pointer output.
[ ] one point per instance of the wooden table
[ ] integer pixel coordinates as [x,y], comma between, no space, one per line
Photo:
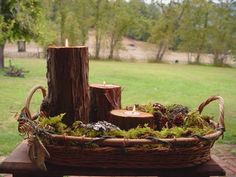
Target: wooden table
[18,164]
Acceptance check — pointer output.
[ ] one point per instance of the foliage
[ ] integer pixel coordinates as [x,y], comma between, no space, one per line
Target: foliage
[47,29]
[164,32]
[99,22]
[54,124]
[193,26]
[70,20]
[145,15]
[83,12]
[223,36]
[196,26]
[18,22]
[118,21]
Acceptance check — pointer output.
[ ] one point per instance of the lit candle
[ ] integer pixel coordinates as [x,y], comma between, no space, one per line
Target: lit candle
[104,83]
[66,43]
[133,112]
[126,119]
[134,109]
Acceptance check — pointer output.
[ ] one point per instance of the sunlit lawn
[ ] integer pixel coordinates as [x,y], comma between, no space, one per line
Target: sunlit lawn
[141,83]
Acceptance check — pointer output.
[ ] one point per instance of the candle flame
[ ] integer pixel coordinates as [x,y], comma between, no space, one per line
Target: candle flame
[133,112]
[104,83]
[134,109]
[66,43]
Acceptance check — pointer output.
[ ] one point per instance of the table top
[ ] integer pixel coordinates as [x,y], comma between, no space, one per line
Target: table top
[19,162]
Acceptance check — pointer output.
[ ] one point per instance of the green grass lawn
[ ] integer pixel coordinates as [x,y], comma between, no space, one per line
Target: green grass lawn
[141,83]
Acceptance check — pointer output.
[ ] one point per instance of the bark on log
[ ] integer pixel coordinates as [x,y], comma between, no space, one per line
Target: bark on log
[68,89]
[103,99]
[128,119]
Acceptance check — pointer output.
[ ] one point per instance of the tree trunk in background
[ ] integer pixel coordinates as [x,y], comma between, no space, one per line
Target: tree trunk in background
[198,58]
[21,46]
[68,89]
[216,58]
[62,23]
[160,52]
[2,55]
[98,45]
[111,48]
[97,26]
[203,38]
[189,59]
[219,59]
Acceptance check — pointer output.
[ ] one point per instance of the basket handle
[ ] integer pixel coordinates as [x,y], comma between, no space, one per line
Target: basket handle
[221,109]
[30,95]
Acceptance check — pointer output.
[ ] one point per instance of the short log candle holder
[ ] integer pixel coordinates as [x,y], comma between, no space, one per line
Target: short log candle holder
[103,98]
[126,119]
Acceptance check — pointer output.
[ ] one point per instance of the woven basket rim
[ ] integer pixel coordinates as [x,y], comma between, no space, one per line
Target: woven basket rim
[127,141]
[214,135]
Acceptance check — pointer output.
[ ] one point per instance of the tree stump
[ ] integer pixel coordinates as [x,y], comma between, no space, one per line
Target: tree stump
[130,119]
[68,89]
[103,99]
[21,46]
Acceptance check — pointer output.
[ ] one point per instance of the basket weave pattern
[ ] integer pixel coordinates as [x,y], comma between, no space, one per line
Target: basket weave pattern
[133,153]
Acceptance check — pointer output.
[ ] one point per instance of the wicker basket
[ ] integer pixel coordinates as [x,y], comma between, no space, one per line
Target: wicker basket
[131,153]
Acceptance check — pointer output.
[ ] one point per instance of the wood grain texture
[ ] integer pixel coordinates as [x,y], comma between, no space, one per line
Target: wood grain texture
[68,89]
[125,121]
[103,99]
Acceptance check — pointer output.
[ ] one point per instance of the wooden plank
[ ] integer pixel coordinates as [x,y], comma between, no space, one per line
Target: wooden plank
[19,164]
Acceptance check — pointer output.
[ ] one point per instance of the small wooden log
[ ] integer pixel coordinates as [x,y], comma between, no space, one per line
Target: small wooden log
[103,99]
[130,119]
[68,89]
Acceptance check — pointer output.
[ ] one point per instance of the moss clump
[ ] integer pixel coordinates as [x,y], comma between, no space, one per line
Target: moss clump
[193,123]
[141,132]
[54,124]
[195,119]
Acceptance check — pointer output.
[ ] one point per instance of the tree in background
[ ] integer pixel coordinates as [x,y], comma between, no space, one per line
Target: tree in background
[118,20]
[165,31]
[222,38]
[145,16]
[18,22]
[83,13]
[100,9]
[48,28]
[194,29]
[193,26]
[60,14]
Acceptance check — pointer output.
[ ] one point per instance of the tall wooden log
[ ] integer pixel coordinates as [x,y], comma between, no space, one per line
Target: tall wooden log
[130,119]
[103,99]
[68,89]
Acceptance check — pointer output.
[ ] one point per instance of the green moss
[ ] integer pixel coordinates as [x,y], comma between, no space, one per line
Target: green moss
[141,132]
[146,108]
[194,119]
[54,124]
[172,132]
[194,124]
